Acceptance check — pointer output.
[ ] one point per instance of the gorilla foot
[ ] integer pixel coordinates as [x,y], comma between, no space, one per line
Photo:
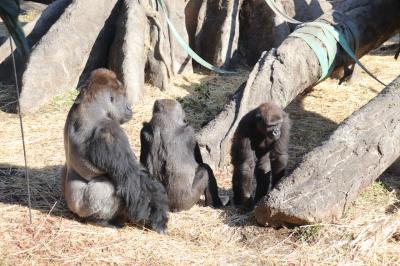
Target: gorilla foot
[224,200]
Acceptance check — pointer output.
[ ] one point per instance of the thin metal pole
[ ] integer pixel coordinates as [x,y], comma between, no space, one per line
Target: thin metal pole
[22,132]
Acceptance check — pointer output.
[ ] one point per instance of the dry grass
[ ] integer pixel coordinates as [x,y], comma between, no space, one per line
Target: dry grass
[368,234]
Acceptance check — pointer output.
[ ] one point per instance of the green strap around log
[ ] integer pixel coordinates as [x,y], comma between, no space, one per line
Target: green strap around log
[328,36]
[187,48]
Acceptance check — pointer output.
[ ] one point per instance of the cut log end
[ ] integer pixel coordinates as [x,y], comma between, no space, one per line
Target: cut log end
[270,217]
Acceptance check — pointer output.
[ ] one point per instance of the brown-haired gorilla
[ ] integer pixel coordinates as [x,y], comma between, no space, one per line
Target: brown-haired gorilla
[170,151]
[260,146]
[102,179]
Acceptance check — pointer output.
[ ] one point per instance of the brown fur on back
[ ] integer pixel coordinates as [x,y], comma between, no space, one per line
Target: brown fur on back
[102,79]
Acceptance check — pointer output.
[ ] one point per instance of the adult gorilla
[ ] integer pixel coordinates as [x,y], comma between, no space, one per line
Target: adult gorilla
[170,151]
[102,179]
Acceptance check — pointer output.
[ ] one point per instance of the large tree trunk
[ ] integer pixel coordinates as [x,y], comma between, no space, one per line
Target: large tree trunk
[34,31]
[280,75]
[262,30]
[331,176]
[144,48]
[217,30]
[127,53]
[165,58]
[58,59]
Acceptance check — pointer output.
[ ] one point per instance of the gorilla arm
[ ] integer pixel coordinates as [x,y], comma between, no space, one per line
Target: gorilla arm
[146,138]
[109,151]
[244,162]
[279,153]
[211,192]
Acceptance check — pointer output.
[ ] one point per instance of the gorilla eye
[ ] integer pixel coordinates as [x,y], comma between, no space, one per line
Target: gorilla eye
[111,98]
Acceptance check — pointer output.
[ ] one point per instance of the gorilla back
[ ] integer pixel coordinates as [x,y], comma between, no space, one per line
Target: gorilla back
[103,179]
[170,151]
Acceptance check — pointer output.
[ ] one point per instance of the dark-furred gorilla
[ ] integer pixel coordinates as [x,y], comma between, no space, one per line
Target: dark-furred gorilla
[102,179]
[170,152]
[260,146]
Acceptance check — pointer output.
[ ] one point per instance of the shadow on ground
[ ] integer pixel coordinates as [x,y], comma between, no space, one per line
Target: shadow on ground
[391,181]
[45,188]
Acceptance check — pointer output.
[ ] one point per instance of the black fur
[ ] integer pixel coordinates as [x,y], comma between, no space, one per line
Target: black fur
[102,178]
[256,152]
[145,198]
[170,152]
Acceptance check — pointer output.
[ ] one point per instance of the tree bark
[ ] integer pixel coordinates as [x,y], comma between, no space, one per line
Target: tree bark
[282,74]
[261,29]
[217,30]
[330,177]
[59,57]
[34,31]
[127,53]
[144,48]
[165,58]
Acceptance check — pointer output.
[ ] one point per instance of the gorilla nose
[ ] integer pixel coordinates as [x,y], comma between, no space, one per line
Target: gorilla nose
[128,112]
[276,133]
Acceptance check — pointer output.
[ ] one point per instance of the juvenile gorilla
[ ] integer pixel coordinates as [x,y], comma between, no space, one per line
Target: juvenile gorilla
[102,179]
[260,146]
[170,151]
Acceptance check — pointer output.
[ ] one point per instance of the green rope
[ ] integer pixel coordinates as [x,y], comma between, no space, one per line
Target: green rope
[187,48]
[275,8]
[323,45]
[322,39]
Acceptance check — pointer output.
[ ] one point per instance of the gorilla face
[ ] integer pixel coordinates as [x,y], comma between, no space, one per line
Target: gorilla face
[270,127]
[115,104]
[120,106]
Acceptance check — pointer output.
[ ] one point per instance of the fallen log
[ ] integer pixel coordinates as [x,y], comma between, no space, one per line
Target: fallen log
[64,51]
[282,74]
[261,29]
[330,177]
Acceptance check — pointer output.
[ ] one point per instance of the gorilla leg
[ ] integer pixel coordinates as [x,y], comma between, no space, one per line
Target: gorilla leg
[159,207]
[187,196]
[241,182]
[211,191]
[95,199]
[263,177]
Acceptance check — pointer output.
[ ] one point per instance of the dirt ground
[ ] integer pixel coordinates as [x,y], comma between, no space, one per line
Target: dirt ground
[369,233]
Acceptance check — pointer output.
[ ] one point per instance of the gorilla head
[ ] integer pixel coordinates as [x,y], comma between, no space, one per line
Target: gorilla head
[171,110]
[269,118]
[106,96]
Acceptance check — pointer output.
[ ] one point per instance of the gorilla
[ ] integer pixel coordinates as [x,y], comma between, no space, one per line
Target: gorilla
[102,178]
[260,146]
[170,152]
